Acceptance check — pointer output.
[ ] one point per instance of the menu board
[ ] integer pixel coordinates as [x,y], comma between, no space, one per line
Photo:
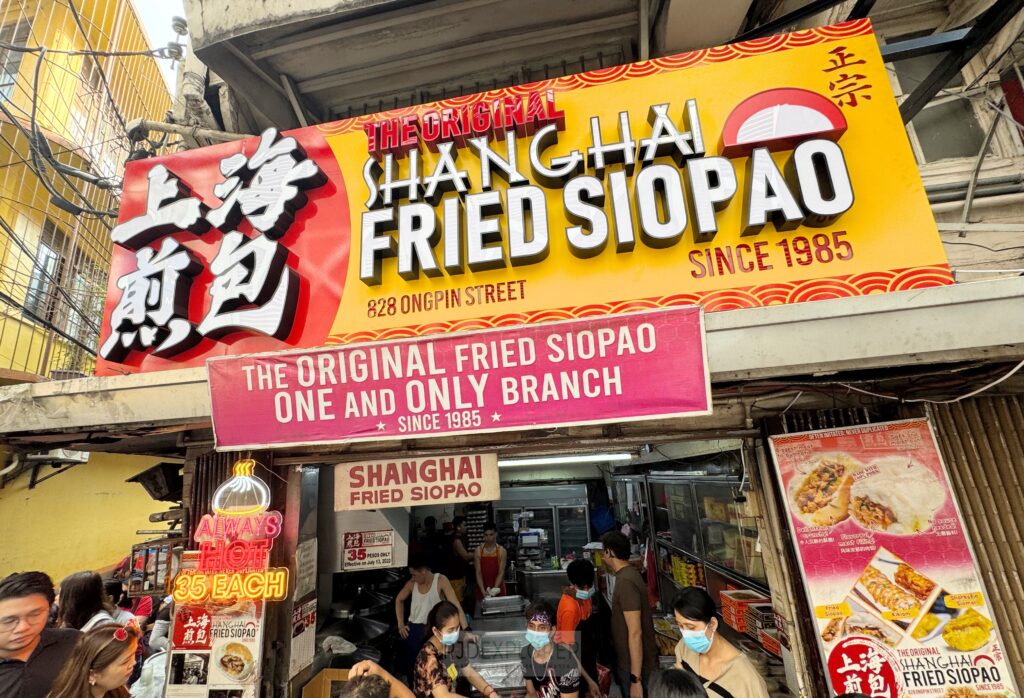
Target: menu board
[889,571]
[215,648]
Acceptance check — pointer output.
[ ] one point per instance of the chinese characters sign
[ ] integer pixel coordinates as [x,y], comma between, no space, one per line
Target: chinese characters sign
[889,573]
[215,650]
[367,550]
[633,366]
[741,176]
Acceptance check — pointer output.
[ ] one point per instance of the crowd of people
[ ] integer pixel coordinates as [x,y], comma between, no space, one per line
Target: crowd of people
[561,655]
[87,640]
[92,639]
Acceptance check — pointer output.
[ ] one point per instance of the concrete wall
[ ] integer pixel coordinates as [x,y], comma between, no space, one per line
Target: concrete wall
[81,519]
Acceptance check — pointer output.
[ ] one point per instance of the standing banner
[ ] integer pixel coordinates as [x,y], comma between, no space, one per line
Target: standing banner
[215,647]
[888,568]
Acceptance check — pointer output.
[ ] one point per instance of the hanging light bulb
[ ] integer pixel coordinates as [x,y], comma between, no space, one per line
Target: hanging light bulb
[243,493]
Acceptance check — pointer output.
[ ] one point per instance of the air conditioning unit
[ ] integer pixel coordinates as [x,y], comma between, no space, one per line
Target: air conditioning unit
[59,455]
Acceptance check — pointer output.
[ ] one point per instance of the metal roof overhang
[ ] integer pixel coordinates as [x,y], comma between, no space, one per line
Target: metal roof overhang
[327,60]
[965,322]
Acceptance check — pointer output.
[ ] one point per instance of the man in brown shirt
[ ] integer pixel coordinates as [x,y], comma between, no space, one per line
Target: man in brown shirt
[31,655]
[632,624]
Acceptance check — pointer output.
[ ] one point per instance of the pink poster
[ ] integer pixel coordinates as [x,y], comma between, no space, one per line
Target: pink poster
[897,597]
[609,368]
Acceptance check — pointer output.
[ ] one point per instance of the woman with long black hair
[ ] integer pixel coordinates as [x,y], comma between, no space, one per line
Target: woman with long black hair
[83,602]
[439,665]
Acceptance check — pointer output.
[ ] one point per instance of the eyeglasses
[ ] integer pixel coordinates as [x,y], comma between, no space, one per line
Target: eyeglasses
[9,623]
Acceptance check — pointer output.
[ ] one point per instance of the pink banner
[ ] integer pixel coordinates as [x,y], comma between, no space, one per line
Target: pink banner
[897,596]
[612,368]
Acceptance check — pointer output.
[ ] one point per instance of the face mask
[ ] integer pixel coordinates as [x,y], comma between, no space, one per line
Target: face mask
[537,639]
[697,640]
[583,595]
[449,639]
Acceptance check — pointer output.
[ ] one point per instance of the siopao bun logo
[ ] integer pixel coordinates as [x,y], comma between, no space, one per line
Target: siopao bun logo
[779,120]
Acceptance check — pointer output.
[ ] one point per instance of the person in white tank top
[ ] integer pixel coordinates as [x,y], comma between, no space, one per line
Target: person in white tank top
[426,589]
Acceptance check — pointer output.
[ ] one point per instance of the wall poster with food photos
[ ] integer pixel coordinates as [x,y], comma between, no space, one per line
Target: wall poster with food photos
[215,647]
[890,574]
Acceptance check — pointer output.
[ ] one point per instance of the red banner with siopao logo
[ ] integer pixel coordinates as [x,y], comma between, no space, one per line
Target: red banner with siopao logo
[643,365]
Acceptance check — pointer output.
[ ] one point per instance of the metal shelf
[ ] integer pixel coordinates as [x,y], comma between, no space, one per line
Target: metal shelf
[737,577]
[718,569]
[676,549]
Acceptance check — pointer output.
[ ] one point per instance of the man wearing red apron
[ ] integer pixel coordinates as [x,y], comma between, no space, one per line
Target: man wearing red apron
[490,559]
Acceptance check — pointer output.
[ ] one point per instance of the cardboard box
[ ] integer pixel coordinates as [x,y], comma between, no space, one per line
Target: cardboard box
[320,685]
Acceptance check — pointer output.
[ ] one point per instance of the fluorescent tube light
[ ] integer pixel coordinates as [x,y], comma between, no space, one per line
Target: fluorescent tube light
[563,460]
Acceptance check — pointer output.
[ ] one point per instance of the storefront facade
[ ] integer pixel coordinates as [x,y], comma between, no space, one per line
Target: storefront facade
[393,301]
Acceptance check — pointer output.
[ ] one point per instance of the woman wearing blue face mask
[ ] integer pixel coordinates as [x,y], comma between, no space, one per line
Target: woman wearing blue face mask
[724,670]
[574,624]
[551,670]
[439,665]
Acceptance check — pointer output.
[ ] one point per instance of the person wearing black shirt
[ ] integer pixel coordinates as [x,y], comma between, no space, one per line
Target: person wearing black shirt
[551,670]
[31,654]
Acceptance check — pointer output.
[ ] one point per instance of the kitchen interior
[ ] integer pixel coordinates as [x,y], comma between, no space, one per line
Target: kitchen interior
[683,507]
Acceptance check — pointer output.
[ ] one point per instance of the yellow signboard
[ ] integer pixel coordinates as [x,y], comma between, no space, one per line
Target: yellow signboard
[766,172]
[666,240]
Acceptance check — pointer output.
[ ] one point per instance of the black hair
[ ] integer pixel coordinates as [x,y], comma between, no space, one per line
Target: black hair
[694,603]
[439,616]
[675,683]
[81,597]
[22,584]
[366,686]
[617,543]
[540,607]
[116,592]
[580,573]
[458,521]
[491,526]
[420,561]
[430,522]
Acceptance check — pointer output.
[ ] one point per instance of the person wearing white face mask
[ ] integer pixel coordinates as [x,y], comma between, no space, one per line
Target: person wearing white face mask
[724,670]
[438,666]
[574,625]
[551,669]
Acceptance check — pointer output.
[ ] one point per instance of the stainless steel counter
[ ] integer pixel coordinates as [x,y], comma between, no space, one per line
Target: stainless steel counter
[542,584]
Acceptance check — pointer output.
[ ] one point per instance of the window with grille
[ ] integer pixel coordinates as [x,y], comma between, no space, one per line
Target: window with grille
[41,298]
[15,33]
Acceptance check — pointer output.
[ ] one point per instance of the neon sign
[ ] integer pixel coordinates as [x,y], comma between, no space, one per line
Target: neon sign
[234,546]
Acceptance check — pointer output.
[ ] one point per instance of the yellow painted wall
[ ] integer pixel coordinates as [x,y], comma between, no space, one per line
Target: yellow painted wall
[83,519]
[65,95]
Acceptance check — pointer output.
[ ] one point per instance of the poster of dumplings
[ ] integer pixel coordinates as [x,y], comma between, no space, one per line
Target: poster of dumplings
[892,580]
[215,650]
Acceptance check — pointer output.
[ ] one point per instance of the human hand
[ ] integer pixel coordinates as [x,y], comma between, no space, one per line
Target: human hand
[403,631]
[469,637]
[366,666]
[636,690]
[494,591]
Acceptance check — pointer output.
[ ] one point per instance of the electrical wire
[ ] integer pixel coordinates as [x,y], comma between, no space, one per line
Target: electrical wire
[982,389]
[162,52]
[103,75]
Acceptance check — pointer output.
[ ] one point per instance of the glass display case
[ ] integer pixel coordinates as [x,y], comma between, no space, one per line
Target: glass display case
[630,499]
[573,530]
[704,535]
